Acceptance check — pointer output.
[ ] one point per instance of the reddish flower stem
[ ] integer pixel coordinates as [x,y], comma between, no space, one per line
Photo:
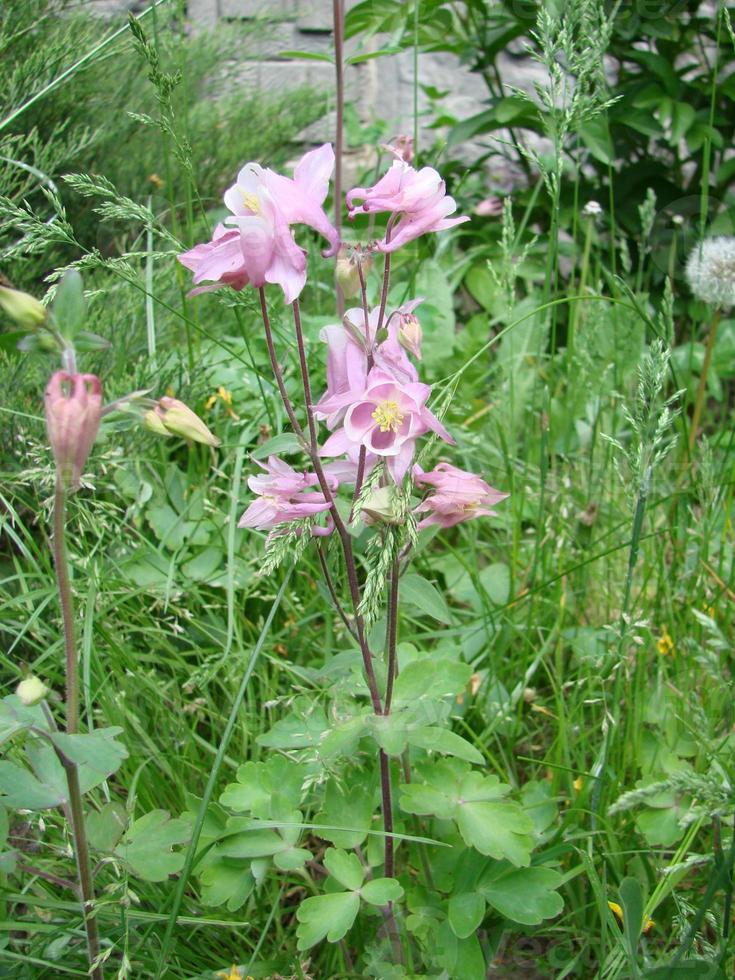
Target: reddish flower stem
[385,782]
[339,37]
[76,806]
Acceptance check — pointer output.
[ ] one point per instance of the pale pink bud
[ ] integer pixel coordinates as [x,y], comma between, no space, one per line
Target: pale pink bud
[410,334]
[73,405]
[491,207]
[31,691]
[401,147]
[178,419]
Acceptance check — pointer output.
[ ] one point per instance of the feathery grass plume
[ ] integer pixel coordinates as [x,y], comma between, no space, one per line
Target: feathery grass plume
[710,271]
[285,541]
[511,257]
[572,39]
[711,794]
[380,552]
[650,420]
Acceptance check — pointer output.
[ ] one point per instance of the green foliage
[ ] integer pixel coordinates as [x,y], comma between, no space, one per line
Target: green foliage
[332,915]
[485,819]
[531,646]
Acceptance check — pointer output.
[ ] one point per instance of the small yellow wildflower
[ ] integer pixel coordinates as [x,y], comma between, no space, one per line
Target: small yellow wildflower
[234,973]
[710,611]
[225,397]
[155,180]
[578,784]
[665,643]
[618,913]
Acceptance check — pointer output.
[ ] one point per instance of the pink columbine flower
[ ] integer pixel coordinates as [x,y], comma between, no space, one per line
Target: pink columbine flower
[457,496]
[386,417]
[285,495]
[73,404]
[219,262]
[264,205]
[417,197]
[348,345]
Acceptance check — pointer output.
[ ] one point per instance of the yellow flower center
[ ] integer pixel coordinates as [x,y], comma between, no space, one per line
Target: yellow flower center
[388,416]
[251,201]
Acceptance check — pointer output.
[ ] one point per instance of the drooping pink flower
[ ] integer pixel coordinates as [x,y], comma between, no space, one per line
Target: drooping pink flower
[283,495]
[219,262]
[416,197]
[264,205]
[457,496]
[386,417]
[73,404]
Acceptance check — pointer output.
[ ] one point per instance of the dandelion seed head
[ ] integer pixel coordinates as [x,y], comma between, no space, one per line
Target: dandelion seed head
[710,271]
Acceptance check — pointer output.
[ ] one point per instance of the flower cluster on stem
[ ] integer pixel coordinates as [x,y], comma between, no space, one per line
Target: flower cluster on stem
[374,407]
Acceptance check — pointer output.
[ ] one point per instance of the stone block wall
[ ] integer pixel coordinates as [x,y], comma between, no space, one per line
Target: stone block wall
[380,89]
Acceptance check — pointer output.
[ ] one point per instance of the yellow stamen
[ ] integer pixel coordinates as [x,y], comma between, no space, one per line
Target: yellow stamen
[251,202]
[388,416]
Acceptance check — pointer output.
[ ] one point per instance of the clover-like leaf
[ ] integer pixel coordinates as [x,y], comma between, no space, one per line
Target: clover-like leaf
[147,845]
[300,730]
[105,826]
[226,882]
[346,868]
[443,740]
[97,755]
[500,830]
[389,731]
[443,678]
[326,915]
[349,805]
[15,716]
[259,782]
[526,895]
[465,913]
[381,891]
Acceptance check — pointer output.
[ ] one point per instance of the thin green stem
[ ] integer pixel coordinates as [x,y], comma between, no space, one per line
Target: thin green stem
[392,631]
[339,87]
[76,808]
[702,386]
[209,788]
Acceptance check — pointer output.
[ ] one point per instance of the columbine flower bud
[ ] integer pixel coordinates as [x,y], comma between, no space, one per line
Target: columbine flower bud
[381,507]
[152,421]
[73,405]
[401,147]
[24,309]
[410,334]
[710,271]
[31,690]
[347,274]
[177,419]
[347,271]
[490,207]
